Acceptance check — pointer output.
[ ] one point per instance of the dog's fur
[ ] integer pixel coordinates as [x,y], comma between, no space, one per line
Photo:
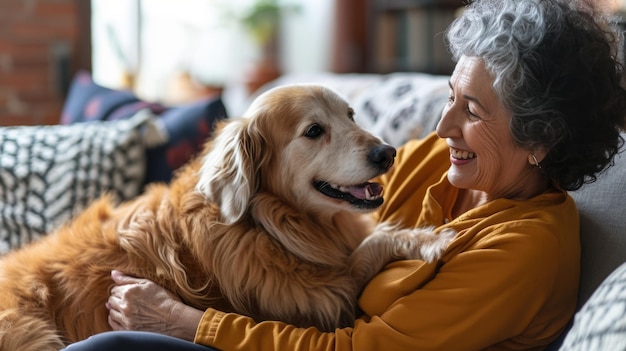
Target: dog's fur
[245,227]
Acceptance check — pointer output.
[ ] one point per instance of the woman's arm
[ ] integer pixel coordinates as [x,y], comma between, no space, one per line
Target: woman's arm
[483,298]
[509,285]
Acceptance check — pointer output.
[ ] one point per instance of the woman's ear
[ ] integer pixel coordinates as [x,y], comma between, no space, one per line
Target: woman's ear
[228,176]
[536,156]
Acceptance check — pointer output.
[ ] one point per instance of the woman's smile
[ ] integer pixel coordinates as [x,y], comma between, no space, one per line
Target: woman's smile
[458,156]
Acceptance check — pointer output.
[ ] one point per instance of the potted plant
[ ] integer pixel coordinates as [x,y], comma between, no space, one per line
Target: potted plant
[262,21]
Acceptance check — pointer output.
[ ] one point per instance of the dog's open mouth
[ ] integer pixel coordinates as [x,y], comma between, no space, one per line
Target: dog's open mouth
[366,196]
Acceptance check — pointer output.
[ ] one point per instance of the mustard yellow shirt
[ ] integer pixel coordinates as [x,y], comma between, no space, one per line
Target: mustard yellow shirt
[508,281]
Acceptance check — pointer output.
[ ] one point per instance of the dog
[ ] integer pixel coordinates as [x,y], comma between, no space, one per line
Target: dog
[270,221]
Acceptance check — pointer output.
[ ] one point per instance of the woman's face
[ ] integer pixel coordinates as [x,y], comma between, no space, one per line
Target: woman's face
[475,125]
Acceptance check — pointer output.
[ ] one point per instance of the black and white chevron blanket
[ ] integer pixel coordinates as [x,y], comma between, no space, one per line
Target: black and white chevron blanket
[49,173]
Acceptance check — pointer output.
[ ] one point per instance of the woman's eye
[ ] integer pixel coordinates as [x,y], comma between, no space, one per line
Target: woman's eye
[314,131]
[473,115]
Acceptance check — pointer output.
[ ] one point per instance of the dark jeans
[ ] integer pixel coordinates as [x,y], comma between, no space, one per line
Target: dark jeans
[134,341]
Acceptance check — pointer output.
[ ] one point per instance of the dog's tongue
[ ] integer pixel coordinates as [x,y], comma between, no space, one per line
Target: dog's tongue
[365,190]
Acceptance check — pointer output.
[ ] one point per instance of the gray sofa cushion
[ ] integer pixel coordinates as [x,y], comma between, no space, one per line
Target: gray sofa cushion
[603,249]
[602,209]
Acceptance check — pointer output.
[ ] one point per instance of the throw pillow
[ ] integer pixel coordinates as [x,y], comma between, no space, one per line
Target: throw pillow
[186,126]
[402,107]
[49,173]
[600,324]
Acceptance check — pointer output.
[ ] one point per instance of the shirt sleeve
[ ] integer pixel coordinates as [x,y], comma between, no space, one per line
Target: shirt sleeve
[230,331]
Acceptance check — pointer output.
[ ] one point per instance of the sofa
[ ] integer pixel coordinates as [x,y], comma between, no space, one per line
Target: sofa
[149,146]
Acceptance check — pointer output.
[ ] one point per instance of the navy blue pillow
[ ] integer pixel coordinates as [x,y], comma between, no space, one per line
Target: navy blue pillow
[188,126]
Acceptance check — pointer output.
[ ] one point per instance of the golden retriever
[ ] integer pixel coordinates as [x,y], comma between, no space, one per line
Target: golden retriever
[263,223]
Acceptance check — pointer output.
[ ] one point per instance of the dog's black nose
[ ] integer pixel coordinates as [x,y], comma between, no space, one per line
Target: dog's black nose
[383,156]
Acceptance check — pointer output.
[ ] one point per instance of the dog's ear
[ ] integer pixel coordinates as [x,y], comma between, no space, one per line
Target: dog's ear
[229,172]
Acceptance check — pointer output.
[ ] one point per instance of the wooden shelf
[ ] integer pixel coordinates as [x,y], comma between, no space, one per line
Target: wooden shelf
[402,5]
[407,35]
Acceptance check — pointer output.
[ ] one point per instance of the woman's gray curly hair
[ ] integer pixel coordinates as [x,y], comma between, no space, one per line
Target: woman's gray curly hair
[555,68]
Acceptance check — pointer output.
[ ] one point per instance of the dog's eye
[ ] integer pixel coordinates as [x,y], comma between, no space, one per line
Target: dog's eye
[314,131]
[351,114]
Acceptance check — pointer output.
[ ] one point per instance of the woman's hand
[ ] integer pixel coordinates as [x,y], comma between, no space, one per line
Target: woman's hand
[141,304]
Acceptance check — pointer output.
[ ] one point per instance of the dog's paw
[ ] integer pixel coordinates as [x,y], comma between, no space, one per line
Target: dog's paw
[422,243]
[389,243]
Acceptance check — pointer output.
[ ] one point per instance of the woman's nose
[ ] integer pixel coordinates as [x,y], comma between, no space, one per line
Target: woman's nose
[447,124]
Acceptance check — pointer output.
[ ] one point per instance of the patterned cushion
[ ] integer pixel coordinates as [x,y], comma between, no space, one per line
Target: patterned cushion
[601,322]
[49,173]
[186,127]
[403,106]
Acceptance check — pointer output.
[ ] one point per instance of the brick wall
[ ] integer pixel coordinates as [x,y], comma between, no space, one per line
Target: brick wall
[42,43]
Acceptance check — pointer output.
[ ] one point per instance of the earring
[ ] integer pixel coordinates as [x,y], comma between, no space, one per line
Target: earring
[535,159]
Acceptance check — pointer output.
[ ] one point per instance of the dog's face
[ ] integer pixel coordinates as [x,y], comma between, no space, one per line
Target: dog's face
[300,143]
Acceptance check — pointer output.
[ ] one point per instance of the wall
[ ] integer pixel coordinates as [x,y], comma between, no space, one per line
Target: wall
[308,37]
[38,53]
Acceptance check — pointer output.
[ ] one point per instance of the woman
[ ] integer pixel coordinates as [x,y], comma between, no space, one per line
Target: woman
[535,109]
